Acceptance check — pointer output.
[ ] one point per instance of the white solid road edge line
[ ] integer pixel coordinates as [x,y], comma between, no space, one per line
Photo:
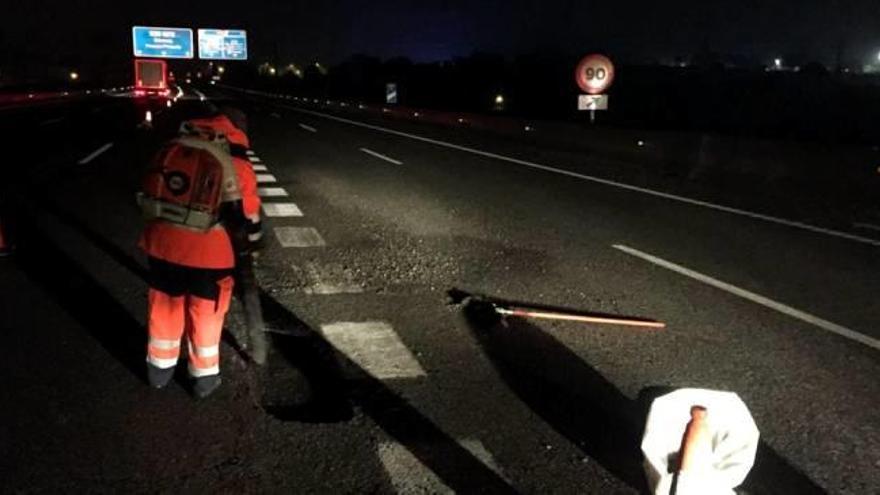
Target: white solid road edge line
[95,154]
[620,185]
[755,298]
[381,156]
[308,128]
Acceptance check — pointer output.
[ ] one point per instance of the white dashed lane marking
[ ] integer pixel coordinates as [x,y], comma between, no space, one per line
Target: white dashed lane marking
[255,159]
[375,347]
[755,298]
[381,156]
[281,210]
[266,179]
[52,121]
[271,192]
[299,237]
[409,475]
[259,168]
[329,279]
[95,154]
[308,128]
[250,152]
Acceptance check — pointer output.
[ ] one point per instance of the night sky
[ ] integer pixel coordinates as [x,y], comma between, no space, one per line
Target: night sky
[427,30]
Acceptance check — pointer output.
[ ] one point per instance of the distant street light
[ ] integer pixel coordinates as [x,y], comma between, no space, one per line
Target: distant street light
[221,69]
[74,76]
[499,102]
[777,63]
[272,71]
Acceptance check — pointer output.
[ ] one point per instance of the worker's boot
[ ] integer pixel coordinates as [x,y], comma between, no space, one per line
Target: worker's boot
[159,377]
[204,386]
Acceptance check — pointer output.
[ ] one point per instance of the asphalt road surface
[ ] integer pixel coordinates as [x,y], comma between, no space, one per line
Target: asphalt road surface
[376,383]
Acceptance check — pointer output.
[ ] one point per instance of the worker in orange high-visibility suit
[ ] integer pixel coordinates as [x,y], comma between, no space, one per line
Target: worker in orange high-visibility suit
[191,266]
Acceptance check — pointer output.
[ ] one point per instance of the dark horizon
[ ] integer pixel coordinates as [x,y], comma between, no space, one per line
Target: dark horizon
[302,32]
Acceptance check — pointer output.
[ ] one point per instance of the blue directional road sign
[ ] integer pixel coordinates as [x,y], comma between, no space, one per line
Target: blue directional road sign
[160,42]
[223,44]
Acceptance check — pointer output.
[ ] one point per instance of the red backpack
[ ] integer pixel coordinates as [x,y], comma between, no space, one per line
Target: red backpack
[187,182]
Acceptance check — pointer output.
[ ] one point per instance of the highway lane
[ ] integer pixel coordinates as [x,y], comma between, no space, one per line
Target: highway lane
[799,267]
[803,381]
[551,407]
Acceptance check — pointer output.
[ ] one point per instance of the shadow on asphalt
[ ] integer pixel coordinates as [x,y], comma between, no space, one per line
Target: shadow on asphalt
[305,350]
[582,405]
[83,298]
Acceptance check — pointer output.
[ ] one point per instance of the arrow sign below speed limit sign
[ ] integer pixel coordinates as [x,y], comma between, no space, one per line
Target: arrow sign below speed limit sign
[594,74]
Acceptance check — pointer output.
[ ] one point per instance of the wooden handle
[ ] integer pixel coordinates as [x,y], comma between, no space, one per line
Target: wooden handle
[696,444]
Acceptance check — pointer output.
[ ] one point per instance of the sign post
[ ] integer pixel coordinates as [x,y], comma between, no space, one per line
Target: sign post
[594,74]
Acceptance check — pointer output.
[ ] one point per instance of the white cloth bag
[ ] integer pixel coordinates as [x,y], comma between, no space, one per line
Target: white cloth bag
[734,442]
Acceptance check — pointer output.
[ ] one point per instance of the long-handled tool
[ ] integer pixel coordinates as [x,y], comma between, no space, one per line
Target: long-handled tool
[525,310]
[257,345]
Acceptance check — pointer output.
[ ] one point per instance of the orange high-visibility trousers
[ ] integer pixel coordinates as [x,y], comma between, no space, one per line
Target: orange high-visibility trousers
[170,316]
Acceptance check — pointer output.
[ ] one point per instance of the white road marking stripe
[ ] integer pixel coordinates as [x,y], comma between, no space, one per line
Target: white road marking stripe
[755,298]
[281,210]
[867,226]
[271,192]
[327,289]
[299,237]
[375,347]
[381,156]
[259,168]
[255,159]
[408,475]
[330,279]
[620,185]
[266,179]
[250,152]
[95,154]
[308,128]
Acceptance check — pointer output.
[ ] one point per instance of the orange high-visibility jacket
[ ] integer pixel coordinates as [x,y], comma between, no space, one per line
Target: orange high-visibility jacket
[212,249]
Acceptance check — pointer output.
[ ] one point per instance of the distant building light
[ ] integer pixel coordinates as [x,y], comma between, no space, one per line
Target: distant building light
[640,143]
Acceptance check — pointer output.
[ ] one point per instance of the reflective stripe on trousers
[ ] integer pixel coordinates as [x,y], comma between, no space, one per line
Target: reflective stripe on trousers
[167,323]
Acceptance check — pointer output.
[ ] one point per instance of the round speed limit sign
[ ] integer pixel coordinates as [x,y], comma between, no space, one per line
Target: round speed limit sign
[594,74]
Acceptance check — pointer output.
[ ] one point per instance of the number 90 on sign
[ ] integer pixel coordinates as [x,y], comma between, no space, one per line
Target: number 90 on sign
[594,74]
